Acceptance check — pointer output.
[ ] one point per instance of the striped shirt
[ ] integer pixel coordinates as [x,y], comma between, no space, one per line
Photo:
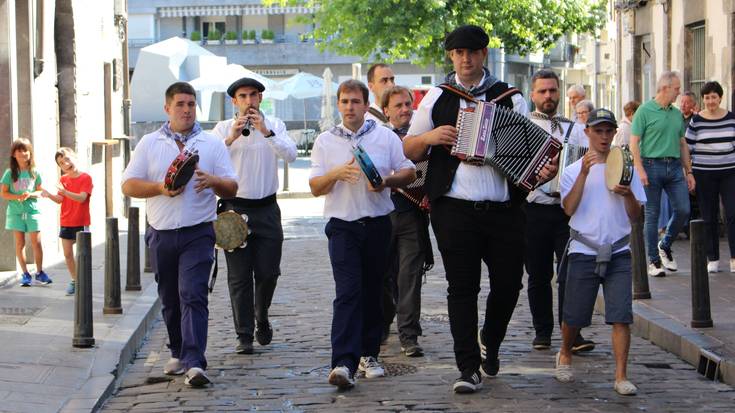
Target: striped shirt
[712,142]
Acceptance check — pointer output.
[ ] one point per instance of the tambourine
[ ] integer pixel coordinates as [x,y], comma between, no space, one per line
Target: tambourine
[231,230]
[619,168]
[181,170]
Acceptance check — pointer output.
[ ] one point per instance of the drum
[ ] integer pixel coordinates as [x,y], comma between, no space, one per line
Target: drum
[619,168]
[181,170]
[231,230]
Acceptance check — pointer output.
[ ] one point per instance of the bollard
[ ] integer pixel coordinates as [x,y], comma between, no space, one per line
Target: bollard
[132,279]
[701,314]
[285,175]
[112,269]
[638,260]
[83,325]
[147,252]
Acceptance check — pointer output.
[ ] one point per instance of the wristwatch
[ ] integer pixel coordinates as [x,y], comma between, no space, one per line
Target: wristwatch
[270,134]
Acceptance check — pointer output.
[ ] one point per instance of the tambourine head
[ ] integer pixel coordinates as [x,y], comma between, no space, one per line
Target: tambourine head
[619,168]
[231,230]
[181,170]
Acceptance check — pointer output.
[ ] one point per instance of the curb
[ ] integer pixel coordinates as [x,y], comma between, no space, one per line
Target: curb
[673,336]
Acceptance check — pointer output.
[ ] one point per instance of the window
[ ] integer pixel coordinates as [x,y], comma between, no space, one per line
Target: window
[697,75]
[207,26]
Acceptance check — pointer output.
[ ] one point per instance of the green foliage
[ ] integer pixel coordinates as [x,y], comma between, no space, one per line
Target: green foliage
[214,35]
[230,36]
[196,36]
[251,35]
[415,29]
[267,34]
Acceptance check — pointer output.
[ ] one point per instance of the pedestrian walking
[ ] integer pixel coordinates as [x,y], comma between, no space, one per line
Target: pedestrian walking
[622,138]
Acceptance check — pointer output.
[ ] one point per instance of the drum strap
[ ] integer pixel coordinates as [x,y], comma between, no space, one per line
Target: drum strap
[569,132]
[377,114]
[213,278]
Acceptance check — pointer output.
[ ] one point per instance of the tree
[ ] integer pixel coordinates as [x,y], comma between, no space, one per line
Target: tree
[415,29]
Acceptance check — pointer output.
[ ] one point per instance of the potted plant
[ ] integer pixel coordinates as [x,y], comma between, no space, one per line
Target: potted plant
[267,36]
[251,36]
[230,38]
[196,36]
[214,37]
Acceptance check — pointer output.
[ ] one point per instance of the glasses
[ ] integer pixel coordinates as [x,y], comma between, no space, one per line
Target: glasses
[584,112]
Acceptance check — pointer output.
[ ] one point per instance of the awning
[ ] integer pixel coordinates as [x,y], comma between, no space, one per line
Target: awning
[243,10]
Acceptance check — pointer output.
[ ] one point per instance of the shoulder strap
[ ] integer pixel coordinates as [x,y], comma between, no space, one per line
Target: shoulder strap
[511,91]
[377,114]
[569,132]
[461,94]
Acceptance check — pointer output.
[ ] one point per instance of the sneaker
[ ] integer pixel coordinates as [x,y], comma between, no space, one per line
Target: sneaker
[656,270]
[667,258]
[195,377]
[625,388]
[490,367]
[43,278]
[264,333]
[173,367]
[340,377]
[411,348]
[481,342]
[71,288]
[244,347]
[563,372]
[26,280]
[713,266]
[468,383]
[541,343]
[581,344]
[371,367]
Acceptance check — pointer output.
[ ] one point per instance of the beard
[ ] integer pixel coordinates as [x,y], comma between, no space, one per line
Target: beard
[548,107]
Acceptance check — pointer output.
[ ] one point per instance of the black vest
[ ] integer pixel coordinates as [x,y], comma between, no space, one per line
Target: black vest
[443,166]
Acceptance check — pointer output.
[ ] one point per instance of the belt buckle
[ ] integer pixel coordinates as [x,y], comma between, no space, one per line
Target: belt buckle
[481,205]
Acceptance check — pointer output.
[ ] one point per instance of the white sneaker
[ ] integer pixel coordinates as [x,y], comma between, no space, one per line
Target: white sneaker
[656,270]
[371,367]
[713,266]
[195,377]
[173,367]
[340,377]
[667,258]
[732,265]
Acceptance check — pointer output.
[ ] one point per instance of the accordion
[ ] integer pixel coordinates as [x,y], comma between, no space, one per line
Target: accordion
[495,135]
[570,153]
[415,191]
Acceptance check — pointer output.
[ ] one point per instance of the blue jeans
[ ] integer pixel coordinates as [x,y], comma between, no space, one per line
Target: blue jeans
[664,174]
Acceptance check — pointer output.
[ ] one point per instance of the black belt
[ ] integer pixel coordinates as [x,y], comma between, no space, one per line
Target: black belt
[251,203]
[665,158]
[478,205]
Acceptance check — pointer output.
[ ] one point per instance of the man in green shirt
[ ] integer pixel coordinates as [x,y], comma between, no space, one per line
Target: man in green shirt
[661,158]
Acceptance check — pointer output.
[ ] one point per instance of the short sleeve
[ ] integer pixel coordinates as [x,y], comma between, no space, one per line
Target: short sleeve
[398,159]
[422,122]
[138,166]
[7,178]
[567,179]
[317,159]
[86,184]
[639,121]
[519,104]
[39,181]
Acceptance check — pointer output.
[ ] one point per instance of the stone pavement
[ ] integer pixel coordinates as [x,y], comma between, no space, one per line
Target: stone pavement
[290,374]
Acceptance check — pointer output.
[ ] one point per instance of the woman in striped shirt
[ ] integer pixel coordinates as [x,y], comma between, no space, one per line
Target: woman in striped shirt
[711,139]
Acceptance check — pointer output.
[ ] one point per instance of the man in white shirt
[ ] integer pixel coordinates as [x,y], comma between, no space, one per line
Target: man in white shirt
[575,94]
[599,252]
[359,228]
[255,143]
[546,223]
[475,212]
[380,78]
[181,235]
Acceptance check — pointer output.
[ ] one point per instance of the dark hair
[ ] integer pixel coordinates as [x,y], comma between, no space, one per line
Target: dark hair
[64,151]
[690,94]
[353,85]
[710,87]
[21,144]
[179,87]
[544,74]
[395,90]
[630,108]
[371,71]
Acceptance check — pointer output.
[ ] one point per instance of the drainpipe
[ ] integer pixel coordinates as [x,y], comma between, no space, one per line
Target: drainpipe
[38,55]
[665,5]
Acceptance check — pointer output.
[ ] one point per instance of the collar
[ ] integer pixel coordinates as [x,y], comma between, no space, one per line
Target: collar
[555,120]
[486,82]
[341,131]
[166,131]
[459,82]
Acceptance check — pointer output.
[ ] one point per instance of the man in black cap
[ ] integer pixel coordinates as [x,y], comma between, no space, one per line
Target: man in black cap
[255,141]
[476,212]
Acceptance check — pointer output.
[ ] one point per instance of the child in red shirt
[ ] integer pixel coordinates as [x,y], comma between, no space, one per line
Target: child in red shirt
[74,190]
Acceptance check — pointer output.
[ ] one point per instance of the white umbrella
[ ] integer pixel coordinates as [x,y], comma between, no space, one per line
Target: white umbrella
[220,80]
[327,120]
[302,86]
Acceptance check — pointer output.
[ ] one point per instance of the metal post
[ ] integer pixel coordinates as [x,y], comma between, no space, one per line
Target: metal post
[112,269]
[147,252]
[638,260]
[132,279]
[83,325]
[285,175]
[701,314]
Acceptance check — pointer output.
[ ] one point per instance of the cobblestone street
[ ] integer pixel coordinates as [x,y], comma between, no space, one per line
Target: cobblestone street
[290,374]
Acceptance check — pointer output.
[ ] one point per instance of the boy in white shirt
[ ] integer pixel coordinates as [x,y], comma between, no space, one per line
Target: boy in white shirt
[599,251]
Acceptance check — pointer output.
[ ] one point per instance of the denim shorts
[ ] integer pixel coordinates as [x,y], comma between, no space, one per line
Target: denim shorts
[583,284]
[70,232]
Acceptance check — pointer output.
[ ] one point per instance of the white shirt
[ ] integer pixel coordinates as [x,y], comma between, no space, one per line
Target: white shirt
[369,115]
[347,201]
[472,183]
[150,161]
[255,157]
[623,136]
[576,137]
[600,216]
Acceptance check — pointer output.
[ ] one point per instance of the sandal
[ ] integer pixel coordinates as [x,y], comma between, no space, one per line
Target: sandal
[625,388]
[563,372]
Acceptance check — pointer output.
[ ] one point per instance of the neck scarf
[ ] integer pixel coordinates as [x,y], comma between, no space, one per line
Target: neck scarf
[401,132]
[477,90]
[555,120]
[343,132]
[166,130]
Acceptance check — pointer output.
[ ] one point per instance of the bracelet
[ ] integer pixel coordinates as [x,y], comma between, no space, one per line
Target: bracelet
[690,173]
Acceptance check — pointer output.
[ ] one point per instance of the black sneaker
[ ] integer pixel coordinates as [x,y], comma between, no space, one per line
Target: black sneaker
[468,383]
[490,367]
[541,343]
[581,344]
[264,333]
[244,347]
[411,348]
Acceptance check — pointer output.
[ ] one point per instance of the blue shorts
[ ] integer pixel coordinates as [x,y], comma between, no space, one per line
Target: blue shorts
[70,232]
[583,284]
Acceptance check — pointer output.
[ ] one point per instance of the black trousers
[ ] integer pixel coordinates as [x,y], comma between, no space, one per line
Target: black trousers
[253,271]
[711,185]
[409,246]
[547,235]
[468,234]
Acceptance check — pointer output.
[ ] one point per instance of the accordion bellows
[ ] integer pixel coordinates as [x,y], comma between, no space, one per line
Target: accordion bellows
[495,135]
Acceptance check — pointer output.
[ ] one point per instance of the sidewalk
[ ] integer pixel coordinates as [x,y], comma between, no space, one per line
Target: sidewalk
[40,371]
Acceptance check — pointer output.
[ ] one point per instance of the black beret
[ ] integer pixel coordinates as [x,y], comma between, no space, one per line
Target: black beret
[246,81]
[467,37]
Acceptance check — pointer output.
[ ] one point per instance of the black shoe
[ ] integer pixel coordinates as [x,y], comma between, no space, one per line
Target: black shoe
[490,367]
[468,383]
[481,342]
[542,343]
[581,344]
[244,347]
[264,334]
[411,348]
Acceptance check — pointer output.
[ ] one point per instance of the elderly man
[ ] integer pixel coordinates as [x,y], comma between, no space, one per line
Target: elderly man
[688,106]
[575,94]
[661,157]
[380,78]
